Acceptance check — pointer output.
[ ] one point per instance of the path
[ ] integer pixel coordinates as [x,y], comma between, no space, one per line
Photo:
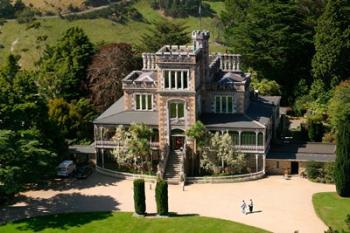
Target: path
[285,204]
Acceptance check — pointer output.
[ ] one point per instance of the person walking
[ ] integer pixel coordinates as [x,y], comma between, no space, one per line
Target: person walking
[243,207]
[251,205]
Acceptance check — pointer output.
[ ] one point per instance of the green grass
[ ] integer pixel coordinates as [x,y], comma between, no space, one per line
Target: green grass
[332,209]
[98,30]
[103,222]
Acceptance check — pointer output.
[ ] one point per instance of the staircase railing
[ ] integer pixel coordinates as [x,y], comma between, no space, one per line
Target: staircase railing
[163,162]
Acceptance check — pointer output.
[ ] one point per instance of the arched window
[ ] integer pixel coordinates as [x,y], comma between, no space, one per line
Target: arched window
[248,138]
[260,139]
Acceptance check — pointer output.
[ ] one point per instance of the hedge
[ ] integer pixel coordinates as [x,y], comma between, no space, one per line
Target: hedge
[162,197]
[139,196]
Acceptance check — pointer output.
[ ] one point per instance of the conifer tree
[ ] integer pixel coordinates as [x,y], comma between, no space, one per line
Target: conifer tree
[332,57]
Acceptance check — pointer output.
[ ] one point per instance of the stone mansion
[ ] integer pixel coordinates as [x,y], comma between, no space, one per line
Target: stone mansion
[179,85]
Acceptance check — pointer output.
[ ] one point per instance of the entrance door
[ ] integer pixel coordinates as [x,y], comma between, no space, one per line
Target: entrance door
[177,142]
[294,168]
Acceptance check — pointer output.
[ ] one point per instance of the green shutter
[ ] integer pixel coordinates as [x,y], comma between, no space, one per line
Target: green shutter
[138,102]
[149,100]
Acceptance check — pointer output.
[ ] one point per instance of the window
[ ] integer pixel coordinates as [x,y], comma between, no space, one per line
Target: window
[175,79]
[260,139]
[224,104]
[144,102]
[235,137]
[248,138]
[177,110]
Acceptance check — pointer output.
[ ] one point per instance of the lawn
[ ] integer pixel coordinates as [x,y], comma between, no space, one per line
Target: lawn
[18,39]
[332,209]
[124,223]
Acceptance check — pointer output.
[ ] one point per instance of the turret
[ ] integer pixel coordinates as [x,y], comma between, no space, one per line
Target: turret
[201,41]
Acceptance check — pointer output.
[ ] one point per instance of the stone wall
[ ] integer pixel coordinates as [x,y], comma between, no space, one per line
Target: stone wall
[278,167]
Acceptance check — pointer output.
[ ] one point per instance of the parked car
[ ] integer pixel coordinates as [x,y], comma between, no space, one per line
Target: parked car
[66,168]
[84,172]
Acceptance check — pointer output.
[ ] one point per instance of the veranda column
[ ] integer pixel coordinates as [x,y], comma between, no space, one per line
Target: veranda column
[103,158]
[264,162]
[256,139]
[239,137]
[256,162]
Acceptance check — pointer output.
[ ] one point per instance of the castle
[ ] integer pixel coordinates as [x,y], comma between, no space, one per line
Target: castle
[179,85]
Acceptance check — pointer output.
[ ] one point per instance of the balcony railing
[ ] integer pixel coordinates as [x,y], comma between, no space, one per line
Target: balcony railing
[249,148]
[139,85]
[112,144]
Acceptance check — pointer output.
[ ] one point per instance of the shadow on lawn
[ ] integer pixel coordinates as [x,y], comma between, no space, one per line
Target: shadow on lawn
[60,203]
[62,222]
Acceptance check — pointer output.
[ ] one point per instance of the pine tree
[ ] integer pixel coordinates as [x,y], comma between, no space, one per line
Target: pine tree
[332,57]
[342,163]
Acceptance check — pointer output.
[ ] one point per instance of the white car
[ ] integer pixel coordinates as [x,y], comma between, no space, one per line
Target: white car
[66,168]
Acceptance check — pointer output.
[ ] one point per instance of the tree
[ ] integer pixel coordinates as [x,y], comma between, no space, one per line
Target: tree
[274,41]
[330,63]
[108,67]
[162,197]
[339,104]
[133,146]
[264,86]
[199,133]
[62,68]
[74,119]
[342,162]
[6,9]
[164,32]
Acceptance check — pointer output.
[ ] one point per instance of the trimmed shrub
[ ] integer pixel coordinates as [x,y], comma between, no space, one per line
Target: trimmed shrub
[139,197]
[162,197]
[347,220]
[342,161]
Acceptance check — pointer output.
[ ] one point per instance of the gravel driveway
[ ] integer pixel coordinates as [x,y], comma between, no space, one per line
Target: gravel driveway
[282,206]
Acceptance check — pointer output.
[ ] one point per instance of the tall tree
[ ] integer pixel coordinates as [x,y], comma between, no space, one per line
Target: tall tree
[164,32]
[108,67]
[274,41]
[342,162]
[332,57]
[6,9]
[62,68]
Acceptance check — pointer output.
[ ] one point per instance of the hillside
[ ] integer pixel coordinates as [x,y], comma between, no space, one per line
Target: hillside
[18,39]
[54,5]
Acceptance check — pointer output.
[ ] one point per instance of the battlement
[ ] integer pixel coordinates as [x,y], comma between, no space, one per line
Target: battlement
[230,62]
[149,61]
[200,35]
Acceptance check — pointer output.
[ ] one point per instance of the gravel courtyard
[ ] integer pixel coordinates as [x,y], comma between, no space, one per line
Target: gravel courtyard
[282,206]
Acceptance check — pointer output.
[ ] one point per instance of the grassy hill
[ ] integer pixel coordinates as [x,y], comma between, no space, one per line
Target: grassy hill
[17,39]
[54,5]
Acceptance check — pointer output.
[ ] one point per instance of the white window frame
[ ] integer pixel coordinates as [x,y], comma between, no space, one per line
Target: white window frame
[176,79]
[141,106]
[177,109]
[221,97]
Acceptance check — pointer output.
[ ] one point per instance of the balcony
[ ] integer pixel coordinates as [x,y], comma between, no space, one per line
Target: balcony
[112,145]
[250,148]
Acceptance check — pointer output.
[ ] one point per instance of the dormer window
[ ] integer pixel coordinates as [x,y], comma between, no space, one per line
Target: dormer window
[144,102]
[176,79]
[224,104]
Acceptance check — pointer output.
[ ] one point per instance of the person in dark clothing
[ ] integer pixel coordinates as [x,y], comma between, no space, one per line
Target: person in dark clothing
[251,205]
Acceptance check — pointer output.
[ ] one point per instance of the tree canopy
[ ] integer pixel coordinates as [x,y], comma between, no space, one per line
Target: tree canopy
[164,32]
[332,57]
[62,68]
[108,67]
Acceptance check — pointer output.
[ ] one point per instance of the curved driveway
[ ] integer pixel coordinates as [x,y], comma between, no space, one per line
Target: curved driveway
[282,206]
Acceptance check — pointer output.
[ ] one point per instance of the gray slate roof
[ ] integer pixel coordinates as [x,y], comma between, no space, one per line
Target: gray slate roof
[116,115]
[257,116]
[214,120]
[303,152]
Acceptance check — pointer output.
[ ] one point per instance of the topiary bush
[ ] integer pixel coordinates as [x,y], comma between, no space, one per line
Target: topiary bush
[162,197]
[139,197]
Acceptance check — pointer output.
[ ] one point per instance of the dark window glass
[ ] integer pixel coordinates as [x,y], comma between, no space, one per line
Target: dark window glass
[260,139]
[229,102]
[149,100]
[185,80]
[166,79]
[172,79]
[138,102]
[181,110]
[248,138]
[223,104]
[179,82]
[217,104]
[143,102]
[173,110]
